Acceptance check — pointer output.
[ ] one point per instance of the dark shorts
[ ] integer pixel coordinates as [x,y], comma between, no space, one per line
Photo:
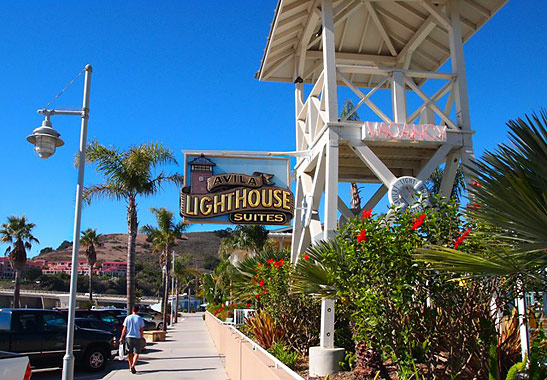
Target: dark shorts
[133,345]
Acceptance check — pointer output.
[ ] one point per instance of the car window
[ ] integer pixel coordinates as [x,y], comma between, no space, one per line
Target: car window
[54,322]
[109,319]
[5,321]
[27,322]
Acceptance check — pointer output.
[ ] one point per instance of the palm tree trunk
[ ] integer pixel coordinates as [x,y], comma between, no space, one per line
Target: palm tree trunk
[177,301]
[166,289]
[132,228]
[90,283]
[16,298]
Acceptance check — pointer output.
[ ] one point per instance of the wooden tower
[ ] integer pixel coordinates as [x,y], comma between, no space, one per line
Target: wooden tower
[371,46]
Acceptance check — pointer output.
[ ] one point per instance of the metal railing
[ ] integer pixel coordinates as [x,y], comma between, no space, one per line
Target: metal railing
[56,293]
[256,347]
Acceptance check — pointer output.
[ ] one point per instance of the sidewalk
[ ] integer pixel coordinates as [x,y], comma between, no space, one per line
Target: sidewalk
[188,353]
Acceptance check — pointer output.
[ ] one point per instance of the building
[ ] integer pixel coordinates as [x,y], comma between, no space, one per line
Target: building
[113,268]
[6,271]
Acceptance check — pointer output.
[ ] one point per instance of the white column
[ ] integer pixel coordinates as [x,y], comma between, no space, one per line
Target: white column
[398,97]
[329,61]
[331,168]
[461,97]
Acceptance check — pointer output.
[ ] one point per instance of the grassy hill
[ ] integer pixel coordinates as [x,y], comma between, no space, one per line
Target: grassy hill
[202,247]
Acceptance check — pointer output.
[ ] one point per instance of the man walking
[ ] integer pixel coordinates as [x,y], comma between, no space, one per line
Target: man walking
[133,326]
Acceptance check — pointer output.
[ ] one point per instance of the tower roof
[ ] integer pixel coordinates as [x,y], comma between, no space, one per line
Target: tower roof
[406,34]
[202,160]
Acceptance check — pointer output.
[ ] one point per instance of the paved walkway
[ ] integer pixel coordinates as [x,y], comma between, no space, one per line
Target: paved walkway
[188,353]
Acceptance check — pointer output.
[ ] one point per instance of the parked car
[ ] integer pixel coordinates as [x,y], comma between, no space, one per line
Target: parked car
[101,315]
[95,324]
[41,334]
[14,366]
[151,323]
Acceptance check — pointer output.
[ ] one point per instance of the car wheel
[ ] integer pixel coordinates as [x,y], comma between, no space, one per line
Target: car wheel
[95,359]
[160,326]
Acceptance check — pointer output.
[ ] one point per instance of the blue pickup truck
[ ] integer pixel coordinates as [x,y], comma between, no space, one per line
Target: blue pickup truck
[41,334]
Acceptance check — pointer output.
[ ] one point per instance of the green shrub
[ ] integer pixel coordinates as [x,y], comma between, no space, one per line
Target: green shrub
[286,354]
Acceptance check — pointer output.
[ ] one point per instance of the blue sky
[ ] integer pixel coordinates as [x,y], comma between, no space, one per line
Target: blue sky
[181,73]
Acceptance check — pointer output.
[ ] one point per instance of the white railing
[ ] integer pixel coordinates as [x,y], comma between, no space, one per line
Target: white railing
[240,315]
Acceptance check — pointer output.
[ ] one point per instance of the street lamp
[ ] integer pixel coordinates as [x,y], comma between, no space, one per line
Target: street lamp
[45,140]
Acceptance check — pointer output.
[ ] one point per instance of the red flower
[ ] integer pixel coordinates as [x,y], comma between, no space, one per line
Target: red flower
[307,257]
[254,281]
[473,206]
[460,239]
[362,236]
[279,263]
[258,295]
[270,261]
[476,183]
[418,221]
[248,304]
[259,265]
[367,213]
[261,283]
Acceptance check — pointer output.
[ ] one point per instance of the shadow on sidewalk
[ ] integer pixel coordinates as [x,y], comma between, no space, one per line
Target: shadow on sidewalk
[188,357]
[175,370]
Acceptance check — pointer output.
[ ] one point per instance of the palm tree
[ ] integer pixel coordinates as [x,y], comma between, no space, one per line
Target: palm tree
[245,240]
[17,232]
[510,198]
[90,239]
[129,174]
[347,108]
[164,238]
[184,275]
[434,181]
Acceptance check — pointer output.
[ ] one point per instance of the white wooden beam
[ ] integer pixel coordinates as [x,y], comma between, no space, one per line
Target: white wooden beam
[398,97]
[405,55]
[430,103]
[376,165]
[364,98]
[329,62]
[463,115]
[355,58]
[344,209]
[441,18]
[340,15]
[377,197]
[434,162]
[386,71]
[380,27]
[450,171]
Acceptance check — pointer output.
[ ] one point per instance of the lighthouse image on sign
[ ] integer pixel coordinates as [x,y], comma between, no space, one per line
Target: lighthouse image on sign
[201,169]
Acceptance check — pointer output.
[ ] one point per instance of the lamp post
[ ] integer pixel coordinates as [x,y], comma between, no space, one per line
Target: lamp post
[172,287]
[45,140]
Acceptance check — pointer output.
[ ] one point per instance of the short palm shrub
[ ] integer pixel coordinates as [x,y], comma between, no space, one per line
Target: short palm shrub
[263,282]
[286,354]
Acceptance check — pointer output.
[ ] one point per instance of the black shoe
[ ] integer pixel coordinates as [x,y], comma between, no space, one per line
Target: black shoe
[133,370]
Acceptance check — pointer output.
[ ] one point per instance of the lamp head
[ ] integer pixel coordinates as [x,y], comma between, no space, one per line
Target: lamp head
[45,139]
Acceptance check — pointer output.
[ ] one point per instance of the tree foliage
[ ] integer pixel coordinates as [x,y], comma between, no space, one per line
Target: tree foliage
[128,174]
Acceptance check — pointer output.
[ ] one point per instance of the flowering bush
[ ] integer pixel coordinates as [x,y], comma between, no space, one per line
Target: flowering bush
[397,307]
[264,283]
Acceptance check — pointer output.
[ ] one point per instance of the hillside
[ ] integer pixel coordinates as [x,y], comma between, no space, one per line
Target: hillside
[202,247]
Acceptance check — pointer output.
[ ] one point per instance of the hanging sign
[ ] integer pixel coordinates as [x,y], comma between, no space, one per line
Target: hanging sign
[380,131]
[238,190]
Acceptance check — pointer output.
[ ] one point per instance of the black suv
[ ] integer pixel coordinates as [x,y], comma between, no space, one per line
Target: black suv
[41,334]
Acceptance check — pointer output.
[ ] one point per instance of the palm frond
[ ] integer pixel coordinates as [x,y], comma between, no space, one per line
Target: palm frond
[109,191]
[312,275]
